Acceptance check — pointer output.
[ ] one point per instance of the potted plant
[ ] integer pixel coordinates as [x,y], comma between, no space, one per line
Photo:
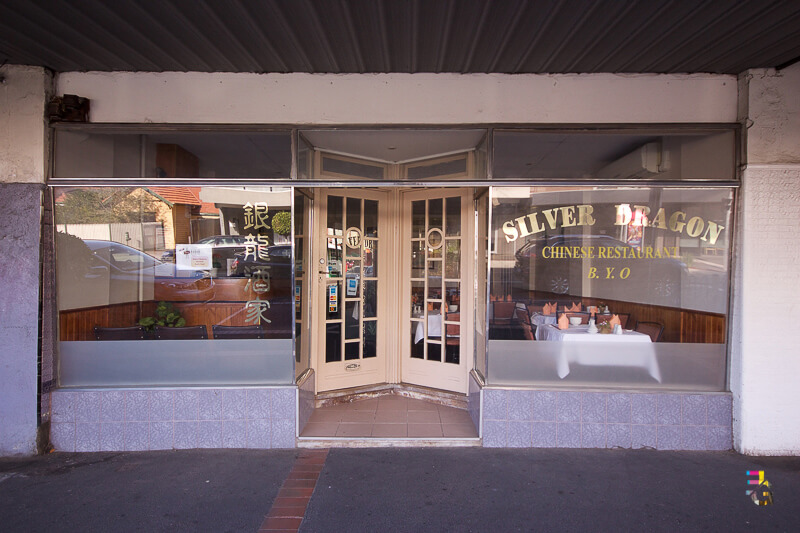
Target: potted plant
[166,315]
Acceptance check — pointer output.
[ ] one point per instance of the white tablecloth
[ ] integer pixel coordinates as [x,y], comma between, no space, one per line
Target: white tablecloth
[631,349]
[541,320]
[434,328]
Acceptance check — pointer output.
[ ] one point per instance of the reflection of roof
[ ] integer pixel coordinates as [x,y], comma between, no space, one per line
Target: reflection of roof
[184,195]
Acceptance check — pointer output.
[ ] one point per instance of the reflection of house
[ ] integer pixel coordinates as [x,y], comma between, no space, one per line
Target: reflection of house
[185,217]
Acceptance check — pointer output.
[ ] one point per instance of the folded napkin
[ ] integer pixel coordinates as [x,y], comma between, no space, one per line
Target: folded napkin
[576,307]
[614,321]
[549,309]
[592,309]
[563,322]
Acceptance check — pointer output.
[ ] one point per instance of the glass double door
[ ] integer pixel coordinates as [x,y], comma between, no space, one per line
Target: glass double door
[392,304]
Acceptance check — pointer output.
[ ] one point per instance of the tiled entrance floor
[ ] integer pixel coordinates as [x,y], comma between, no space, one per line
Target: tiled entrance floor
[390,417]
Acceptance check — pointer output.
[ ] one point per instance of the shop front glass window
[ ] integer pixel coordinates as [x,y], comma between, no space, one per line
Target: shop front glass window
[174,285]
[568,264]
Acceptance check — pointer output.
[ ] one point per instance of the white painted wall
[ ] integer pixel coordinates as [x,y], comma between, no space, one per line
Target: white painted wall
[23,131]
[765,357]
[193,97]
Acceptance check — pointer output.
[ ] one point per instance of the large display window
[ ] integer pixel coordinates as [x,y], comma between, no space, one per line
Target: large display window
[568,264]
[175,285]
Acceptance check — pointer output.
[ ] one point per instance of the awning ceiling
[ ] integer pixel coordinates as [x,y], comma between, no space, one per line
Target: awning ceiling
[348,36]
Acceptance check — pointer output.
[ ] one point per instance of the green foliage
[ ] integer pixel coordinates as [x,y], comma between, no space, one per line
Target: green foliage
[105,206]
[165,315]
[282,223]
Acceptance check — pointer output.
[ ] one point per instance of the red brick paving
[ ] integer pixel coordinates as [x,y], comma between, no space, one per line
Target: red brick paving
[289,507]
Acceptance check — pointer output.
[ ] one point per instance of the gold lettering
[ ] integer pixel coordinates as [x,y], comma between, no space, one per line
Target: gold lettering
[624,214]
[658,253]
[712,232]
[585,217]
[601,252]
[523,227]
[695,226]
[659,221]
[547,252]
[537,228]
[675,224]
[640,218]
[648,252]
[510,231]
[551,215]
[568,216]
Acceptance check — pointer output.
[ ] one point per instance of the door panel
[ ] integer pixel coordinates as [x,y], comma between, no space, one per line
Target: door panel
[352,280]
[436,294]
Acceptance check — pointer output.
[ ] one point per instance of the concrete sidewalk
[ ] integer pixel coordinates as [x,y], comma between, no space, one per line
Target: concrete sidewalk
[457,489]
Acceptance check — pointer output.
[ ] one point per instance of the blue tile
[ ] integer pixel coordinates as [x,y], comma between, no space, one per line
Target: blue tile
[63,408]
[283,404]
[694,407]
[209,434]
[719,410]
[643,436]
[494,405]
[618,410]
[669,438]
[258,434]
[185,435]
[234,434]
[137,406]
[282,433]
[669,410]
[62,436]
[568,435]
[162,406]
[618,436]
[544,435]
[234,404]
[718,438]
[210,404]
[87,436]
[112,406]
[569,407]
[187,405]
[137,436]
[593,436]
[643,409]
[693,437]
[494,433]
[162,435]
[593,407]
[519,434]
[258,403]
[87,407]
[520,405]
[545,406]
[112,436]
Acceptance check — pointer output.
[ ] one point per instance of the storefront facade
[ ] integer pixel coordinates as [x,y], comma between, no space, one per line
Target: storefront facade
[401,240]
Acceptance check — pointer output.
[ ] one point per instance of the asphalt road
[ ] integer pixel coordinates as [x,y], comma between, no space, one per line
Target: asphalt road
[470,489]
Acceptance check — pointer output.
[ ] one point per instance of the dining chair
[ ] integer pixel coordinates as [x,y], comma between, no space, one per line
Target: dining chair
[654,329]
[119,334]
[453,331]
[238,332]
[184,333]
[502,310]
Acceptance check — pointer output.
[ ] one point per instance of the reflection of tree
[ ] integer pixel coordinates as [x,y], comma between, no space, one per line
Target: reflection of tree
[76,257]
[92,206]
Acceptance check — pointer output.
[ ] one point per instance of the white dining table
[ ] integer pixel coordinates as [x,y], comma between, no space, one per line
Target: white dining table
[434,328]
[541,320]
[631,349]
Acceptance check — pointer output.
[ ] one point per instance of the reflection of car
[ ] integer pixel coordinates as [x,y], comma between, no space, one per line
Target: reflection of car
[124,264]
[168,256]
[224,247]
[280,261]
[605,267]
